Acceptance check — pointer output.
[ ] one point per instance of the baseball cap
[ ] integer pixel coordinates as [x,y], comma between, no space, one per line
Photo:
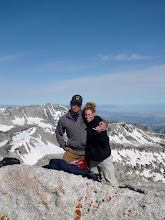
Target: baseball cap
[77,98]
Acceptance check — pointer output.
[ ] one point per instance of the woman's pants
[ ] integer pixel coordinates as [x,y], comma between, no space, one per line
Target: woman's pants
[107,168]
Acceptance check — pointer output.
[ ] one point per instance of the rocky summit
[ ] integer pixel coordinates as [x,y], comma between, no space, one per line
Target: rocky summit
[32,192]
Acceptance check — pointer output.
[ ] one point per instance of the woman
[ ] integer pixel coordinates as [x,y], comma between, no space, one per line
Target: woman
[98,148]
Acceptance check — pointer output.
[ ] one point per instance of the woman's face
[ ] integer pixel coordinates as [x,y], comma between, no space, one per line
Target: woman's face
[89,115]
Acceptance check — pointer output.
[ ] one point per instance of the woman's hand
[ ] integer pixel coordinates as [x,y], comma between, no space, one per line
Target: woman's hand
[102,127]
[97,129]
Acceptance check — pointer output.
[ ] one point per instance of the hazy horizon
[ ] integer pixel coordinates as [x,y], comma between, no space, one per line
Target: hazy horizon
[109,108]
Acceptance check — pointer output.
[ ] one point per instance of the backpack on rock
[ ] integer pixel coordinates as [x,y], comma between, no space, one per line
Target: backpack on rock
[9,161]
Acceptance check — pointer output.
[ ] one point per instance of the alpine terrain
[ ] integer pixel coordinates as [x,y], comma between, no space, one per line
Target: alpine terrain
[27,133]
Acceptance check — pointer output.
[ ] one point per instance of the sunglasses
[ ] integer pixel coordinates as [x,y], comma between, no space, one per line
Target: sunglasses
[76,103]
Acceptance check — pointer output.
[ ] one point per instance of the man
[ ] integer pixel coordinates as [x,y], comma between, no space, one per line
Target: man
[72,122]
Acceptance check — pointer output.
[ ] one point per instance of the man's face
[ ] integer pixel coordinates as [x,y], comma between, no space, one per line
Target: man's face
[75,107]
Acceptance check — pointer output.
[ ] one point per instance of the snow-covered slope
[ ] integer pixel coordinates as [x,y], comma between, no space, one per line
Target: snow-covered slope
[28,132]
[148,164]
[30,145]
[2,110]
[130,135]
[138,151]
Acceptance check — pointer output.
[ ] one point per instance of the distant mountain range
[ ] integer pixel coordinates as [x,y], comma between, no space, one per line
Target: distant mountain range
[5,106]
[27,133]
[155,120]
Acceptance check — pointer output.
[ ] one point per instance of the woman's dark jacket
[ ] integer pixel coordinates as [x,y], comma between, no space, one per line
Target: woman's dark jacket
[98,147]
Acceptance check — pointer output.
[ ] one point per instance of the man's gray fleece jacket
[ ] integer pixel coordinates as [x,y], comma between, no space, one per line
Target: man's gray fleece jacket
[75,130]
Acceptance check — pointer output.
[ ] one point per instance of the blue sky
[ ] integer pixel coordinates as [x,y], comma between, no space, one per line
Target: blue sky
[110,52]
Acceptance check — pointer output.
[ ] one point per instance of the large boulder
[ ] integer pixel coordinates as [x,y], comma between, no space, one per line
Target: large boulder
[46,159]
[32,192]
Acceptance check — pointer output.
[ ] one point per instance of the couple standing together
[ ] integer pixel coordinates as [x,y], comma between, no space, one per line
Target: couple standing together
[86,139]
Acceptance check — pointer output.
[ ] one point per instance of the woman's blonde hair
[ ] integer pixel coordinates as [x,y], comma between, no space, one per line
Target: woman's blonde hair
[90,106]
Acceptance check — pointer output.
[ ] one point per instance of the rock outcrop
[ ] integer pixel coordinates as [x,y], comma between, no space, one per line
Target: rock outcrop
[35,193]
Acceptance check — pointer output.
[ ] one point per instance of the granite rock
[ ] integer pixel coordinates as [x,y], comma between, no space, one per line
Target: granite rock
[32,192]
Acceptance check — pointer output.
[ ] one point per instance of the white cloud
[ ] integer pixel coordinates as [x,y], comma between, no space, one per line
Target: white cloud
[121,84]
[57,66]
[7,58]
[123,56]
[151,79]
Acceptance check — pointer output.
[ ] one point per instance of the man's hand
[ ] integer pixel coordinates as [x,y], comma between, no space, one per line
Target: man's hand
[66,148]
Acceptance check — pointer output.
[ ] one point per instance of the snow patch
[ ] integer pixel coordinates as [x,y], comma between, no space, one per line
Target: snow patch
[155,176]
[21,138]
[3,143]
[2,110]
[39,121]
[5,128]
[18,121]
